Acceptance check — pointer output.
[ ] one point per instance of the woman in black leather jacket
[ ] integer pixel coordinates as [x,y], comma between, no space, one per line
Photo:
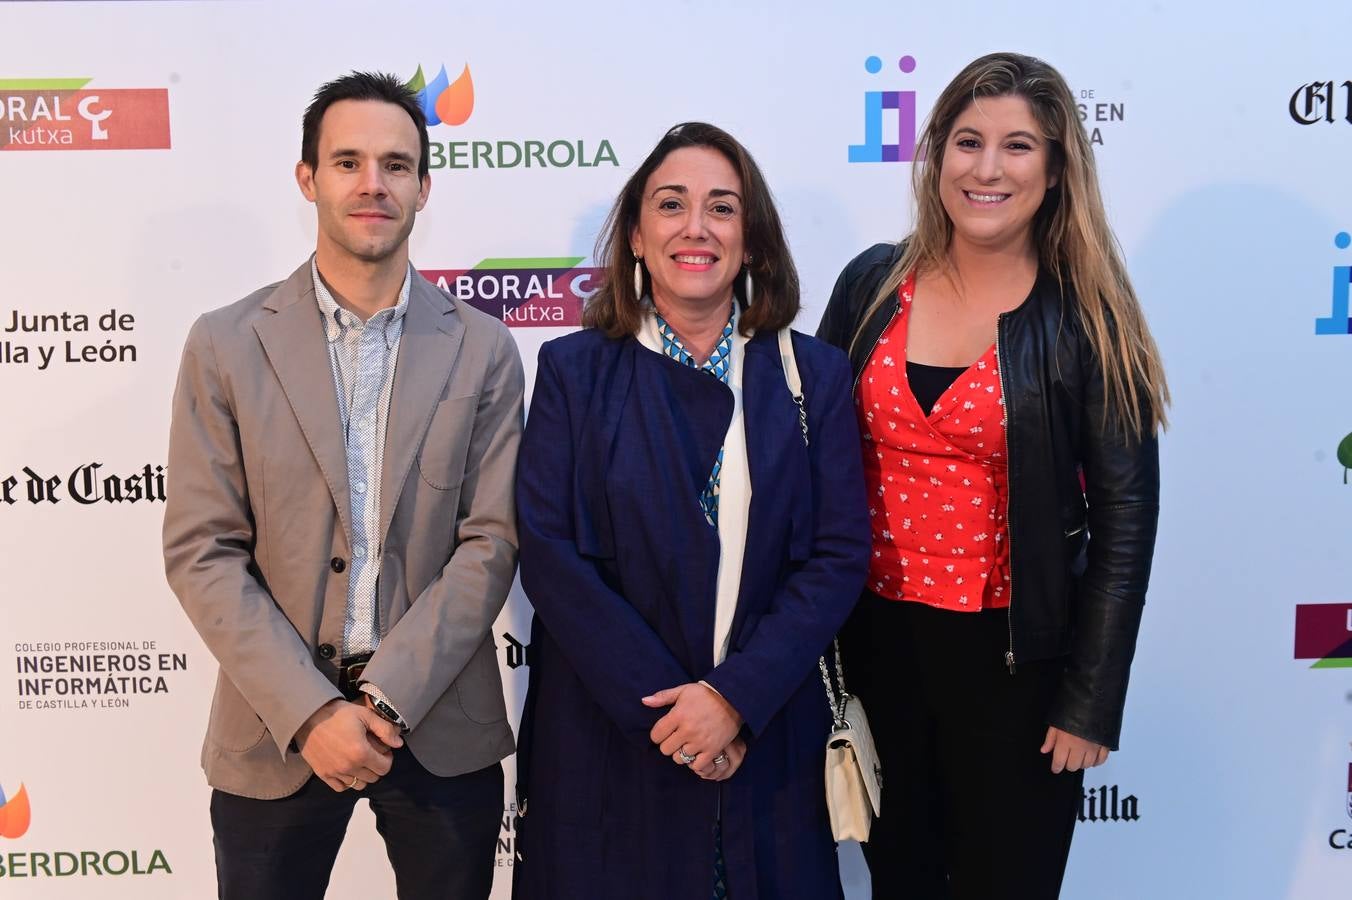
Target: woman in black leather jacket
[991,686]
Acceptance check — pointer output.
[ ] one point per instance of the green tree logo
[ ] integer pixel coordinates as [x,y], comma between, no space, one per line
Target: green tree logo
[1345,455]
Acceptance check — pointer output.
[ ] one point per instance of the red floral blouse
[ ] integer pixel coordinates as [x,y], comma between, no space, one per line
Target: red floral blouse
[938,482]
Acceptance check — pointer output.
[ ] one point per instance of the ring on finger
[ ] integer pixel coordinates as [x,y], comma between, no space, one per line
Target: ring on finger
[721,759]
[686,758]
[355,784]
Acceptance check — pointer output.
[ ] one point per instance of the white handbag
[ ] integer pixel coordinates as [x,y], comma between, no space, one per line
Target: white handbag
[854,779]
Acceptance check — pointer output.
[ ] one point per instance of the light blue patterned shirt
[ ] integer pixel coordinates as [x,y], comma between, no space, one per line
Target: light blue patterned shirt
[362,355]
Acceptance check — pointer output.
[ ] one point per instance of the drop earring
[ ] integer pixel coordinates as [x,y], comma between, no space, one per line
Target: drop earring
[638,277]
[747,288]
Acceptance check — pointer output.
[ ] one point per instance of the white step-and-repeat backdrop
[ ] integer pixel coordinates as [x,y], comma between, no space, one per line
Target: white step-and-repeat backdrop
[146,154]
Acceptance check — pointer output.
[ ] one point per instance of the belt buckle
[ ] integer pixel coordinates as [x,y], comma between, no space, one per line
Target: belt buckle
[349,673]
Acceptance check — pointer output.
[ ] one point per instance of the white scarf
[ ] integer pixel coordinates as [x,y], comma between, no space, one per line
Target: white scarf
[734,489]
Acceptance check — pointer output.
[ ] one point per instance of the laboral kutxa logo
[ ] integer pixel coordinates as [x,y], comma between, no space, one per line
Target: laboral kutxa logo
[15,818]
[523,292]
[451,103]
[1324,634]
[15,813]
[65,114]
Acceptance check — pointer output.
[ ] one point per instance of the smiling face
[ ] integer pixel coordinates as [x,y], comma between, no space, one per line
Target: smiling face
[691,229]
[365,187]
[995,173]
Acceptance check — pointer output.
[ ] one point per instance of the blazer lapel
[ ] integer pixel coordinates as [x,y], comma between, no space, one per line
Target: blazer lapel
[293,339]
[433,332]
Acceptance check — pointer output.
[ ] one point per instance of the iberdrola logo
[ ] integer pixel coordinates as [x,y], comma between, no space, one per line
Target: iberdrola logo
[446,102]
[15,814]
[443,101]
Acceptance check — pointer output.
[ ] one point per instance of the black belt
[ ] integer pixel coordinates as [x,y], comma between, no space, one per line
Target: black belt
[349,675]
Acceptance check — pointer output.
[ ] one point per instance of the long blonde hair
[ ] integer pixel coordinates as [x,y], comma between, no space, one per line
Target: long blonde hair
[1070,231]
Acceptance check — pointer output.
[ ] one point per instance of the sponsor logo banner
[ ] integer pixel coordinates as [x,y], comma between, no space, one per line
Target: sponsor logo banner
[63,114]
[1098,113]
[523,292]
[1324,633]
[15,818]
[1323,102]
[86,484]
[79,345]
[76,675]
[1339,319]
[508,853]
[1105,803]
[889,120]
[515,653]
[451,103]
[15,814]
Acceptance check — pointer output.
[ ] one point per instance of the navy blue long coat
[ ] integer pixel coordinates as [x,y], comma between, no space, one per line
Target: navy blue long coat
[620,565]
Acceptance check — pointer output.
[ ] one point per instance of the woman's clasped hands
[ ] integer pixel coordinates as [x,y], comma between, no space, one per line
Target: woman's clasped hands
[699,731]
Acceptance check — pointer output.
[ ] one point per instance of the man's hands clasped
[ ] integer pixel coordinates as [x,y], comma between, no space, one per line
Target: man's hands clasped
[348,745]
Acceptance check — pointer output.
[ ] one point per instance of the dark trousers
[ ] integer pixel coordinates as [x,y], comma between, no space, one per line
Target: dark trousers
[970,807]
[440,835]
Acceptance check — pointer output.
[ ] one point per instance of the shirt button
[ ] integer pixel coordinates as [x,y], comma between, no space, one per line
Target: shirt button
[359,487]
[359,551]
[337,564]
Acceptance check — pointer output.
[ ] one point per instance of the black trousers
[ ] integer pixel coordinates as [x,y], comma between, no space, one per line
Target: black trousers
[440,835]
[970,807]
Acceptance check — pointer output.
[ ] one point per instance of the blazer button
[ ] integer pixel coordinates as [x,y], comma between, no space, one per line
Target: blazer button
[337,564]
[326,651]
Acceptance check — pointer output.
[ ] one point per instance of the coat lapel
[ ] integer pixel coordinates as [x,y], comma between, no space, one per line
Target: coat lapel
[433,332]
[293,339]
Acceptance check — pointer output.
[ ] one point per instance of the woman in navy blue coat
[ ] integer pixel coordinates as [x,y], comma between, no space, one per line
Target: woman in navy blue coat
[689,556]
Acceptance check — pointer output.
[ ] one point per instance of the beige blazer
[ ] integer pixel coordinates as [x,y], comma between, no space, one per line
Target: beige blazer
[257,520]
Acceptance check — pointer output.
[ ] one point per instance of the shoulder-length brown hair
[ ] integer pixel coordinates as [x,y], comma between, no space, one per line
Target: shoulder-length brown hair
[1070,230]
[618,311]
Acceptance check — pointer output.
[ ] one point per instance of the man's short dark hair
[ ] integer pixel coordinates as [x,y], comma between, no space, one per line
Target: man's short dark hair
[361,86]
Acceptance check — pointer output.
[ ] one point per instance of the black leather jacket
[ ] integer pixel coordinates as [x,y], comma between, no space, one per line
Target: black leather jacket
[1079,557]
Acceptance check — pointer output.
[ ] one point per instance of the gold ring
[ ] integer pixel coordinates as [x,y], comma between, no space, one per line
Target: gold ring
[355,781]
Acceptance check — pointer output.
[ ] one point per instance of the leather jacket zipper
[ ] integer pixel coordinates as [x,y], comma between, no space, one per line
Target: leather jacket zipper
[896,308]
[1009,490]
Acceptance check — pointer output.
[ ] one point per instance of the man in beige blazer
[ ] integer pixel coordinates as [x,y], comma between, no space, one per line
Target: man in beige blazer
[340,529]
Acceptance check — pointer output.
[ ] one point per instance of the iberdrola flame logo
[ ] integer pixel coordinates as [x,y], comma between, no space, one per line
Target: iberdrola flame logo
[442,100]
[15,814]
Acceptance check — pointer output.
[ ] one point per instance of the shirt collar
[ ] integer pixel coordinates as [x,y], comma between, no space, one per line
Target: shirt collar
[337,320]
[717,361]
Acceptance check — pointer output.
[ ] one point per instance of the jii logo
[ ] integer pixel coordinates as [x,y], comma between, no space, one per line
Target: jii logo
[1338,321]
[875,104]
